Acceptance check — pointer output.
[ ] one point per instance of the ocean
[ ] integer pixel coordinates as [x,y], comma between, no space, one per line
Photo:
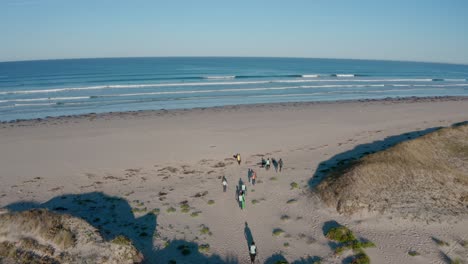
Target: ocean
[37,89]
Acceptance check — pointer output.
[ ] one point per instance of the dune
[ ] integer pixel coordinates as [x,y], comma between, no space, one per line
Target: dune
[424,178]
[42,236]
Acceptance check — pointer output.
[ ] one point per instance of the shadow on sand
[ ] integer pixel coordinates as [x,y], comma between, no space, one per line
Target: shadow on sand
[280,259]
[360,151]
[113,216]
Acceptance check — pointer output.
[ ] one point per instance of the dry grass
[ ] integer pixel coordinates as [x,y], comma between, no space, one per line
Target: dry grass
[426,178]
[41,236]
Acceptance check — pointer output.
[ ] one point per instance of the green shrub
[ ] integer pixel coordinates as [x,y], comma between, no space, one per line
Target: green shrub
[184,208]
[195,214]
[278,231]
[294,185]
[121,240]
[210,202]
[205,230]
[413,253]
[204,248]
[171,210]
[361,258]
[341,234]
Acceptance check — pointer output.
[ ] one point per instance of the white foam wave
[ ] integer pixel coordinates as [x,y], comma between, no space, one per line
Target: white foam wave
[401,85]
[242,90]
[221,77]
[44,104]
[310,76]
[454,80]
[45,99]
[344,75]
[155,85]
[439,85]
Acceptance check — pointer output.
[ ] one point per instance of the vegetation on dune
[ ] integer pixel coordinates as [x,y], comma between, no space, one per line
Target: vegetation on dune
[121,240]
[361,258]
[348,241]
[204,248]
[340,234]
[426,177]
[42,236]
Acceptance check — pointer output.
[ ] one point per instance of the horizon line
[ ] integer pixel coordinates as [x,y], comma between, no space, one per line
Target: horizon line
[260,57]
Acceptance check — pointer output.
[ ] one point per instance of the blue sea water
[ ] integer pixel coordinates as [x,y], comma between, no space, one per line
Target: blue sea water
[37,89]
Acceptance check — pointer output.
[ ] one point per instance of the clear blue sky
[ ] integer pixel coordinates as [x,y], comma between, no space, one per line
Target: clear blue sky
[419,30]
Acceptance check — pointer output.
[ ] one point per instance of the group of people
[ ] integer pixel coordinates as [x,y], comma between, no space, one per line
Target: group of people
[241,189]
[266,163]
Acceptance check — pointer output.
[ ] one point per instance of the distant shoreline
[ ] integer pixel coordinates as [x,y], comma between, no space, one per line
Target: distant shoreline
[140,113]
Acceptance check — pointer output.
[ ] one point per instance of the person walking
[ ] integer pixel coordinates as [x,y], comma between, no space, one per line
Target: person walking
[267,165]
[280,163]
[254,177]
[224,184]
[244,188]
[241,199]
[238,157]
[252,252]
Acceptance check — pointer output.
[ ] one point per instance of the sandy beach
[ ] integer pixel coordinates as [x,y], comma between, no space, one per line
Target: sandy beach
[146,164]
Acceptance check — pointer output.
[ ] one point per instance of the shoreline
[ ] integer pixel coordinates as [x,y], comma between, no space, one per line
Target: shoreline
[159,112]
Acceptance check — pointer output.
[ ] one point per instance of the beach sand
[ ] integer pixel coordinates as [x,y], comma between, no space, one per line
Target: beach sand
[164,159]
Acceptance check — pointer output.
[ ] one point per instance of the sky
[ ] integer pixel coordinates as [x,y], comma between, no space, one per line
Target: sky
[411,30]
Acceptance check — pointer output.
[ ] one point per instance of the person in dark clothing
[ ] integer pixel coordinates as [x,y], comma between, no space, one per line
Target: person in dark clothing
[263,162]
[280,163]
[252,252]
[275,164]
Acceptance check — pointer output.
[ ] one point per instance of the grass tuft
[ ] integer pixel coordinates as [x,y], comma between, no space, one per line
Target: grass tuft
[195,214]
[440,242]
[294,185]
[341,234]
[204,248]
[278,231]
[361,258]
[413,253]
[121,240]
[210,202]
[205,230]
[184,208]
[171,210]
